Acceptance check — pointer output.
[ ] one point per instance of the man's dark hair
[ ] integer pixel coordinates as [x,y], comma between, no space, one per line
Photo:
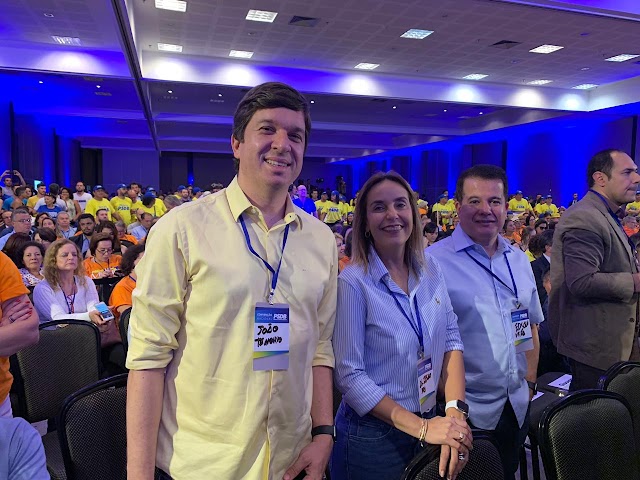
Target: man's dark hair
[20,256]
[269,95]
[600,162]
[485,172]
[20,190]
[545,240]
[54,188]
[18,211]
[129,257]
[46,234]
[84,216]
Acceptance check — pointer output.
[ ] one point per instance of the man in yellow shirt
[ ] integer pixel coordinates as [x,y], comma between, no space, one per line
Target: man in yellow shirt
[31,203]
[122,204]
[633,208]
[446,209]
[519,205]
[100,202]
[546,207]
[136,203]
[204,400]
[324,200]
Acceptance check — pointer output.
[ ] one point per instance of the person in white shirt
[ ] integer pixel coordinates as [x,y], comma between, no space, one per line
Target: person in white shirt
[81,196]
[54,189]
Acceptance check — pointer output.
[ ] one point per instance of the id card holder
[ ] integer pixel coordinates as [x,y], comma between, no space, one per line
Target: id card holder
[523,340]
[426,385]
[271,337]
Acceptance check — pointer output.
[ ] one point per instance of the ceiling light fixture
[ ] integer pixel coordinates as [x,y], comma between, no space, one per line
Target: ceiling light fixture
[367,66]
[312,101]
[261,16]
[416,33]
[585,86]
[475,76]
[481,113]
[394,107]
[622,57]
[169,91]
[219,94]
[40,82]
[444,111]
[539,82]
[173,5]
[240,54]
[49,15]
[98,86]
[168,47]
[546,49]
[66,40]
[584,69]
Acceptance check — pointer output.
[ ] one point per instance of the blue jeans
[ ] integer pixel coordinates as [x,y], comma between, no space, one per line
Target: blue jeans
[369,449]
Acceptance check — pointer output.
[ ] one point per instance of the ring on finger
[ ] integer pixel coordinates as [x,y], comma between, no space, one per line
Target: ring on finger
[461,437]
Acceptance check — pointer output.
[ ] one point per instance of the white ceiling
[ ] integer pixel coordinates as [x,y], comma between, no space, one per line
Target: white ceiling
[353,111]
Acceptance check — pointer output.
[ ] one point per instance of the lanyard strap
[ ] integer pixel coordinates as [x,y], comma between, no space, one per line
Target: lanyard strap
[616,218]
[274,273]
[417,331]
[134,280]
[513,280]
[70,299]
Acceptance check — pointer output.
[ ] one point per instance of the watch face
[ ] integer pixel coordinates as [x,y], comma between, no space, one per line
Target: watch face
[463,407]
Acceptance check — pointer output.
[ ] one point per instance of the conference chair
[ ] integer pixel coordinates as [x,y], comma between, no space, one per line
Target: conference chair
[92,431]
[624,378]
[484,462]
[63,361]
[105,287]
[123,326]
[589,435]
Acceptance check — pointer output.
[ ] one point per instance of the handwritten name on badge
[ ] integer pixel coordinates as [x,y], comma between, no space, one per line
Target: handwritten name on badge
[271,337]
[523,338]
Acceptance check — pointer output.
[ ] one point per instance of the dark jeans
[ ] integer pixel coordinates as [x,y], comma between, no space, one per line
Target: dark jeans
[368,448]
[509,437]
[583,376]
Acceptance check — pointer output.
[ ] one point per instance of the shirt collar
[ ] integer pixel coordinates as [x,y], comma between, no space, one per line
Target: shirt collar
[462,241]
[239,203]
[612,206]
[377,269]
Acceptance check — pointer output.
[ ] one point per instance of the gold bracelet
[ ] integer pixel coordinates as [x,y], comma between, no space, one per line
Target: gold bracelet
[423,431]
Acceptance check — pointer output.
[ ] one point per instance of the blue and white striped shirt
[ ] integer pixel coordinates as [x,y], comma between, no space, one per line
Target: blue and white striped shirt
[375,347]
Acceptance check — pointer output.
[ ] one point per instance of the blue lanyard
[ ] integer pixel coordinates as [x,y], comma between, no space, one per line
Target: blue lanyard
[274,273]
[513,280]
[417,331]
[617,220]
[134,280]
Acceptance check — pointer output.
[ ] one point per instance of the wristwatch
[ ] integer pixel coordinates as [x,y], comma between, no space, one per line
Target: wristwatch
[324,430]
[458,405]
[533,386]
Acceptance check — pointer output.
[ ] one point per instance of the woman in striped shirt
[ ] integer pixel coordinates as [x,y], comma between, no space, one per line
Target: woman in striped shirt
[396,340]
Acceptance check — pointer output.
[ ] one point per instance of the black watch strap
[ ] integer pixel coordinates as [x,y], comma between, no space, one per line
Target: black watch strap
[533,386]
[324,430]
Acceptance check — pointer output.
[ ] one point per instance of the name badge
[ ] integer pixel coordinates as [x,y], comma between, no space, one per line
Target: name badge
[426,385]
[523,340]
[271,337]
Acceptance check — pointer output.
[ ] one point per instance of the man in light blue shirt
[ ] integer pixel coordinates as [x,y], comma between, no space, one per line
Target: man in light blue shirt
[488,282]
[21,452]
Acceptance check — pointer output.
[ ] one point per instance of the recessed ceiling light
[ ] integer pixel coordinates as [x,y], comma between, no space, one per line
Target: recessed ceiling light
[312,101]
[168,47]
[622,57]
[546,49]
[98,86]
[394,107]
[49,15]
[367,66]
[585,86]
[481,113]
[66,40]
[40,82]
[444,111]
[169,91]
[416,33]
[584,69]
[219,94]
[240,54]
[173,5]
[475,76]
[539,82]
[261,16]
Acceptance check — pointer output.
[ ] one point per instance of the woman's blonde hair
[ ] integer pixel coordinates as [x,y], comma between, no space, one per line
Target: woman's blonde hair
[50,266]
[414,249]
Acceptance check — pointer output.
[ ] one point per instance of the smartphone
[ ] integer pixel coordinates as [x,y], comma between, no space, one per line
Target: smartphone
[103,310]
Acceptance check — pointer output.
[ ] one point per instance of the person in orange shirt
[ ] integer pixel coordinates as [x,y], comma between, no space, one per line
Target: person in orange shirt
[18,325]
[343,260]
[630,225]
[509,232]
[120,298]
[102,262]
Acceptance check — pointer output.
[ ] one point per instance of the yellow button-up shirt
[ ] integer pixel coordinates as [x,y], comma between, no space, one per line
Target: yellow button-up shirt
[193,313]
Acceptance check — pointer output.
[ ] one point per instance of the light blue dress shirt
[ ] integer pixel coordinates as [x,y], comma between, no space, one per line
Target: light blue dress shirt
[376,349]
[494,371]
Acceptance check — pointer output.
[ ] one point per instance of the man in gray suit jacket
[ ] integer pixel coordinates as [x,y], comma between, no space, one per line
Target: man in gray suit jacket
[594,301]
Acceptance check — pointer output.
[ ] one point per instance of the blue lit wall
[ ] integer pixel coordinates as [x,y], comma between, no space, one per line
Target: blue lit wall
[5,137]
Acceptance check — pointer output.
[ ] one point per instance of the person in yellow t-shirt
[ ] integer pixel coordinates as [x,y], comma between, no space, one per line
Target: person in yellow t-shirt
[446,209]
[320,204]
[633,208]
[519,205]
[136,203]
[122,204]
[31,203]
[546,207]
[100,202]
[153,205]
[344,206]
[331,213]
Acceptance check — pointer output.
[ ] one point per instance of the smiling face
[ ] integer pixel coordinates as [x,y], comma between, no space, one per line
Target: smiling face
[272,151]
[483,209]
[389,216]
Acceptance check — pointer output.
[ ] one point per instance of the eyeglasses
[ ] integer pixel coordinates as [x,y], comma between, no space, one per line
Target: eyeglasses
[24,220]
[104,250]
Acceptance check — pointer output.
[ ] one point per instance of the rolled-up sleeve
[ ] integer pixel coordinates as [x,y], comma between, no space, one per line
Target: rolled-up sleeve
[159,297]
[324,356]
[453,341]
[360,392]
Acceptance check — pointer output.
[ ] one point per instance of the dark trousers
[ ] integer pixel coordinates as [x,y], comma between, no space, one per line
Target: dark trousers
[509,437]
[583,376]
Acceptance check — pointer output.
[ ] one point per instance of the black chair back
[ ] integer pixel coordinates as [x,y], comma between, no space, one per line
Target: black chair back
[105,286]
[484,462]
[123,326]
[588,434]
[623,378]
[93,432]
[62,362]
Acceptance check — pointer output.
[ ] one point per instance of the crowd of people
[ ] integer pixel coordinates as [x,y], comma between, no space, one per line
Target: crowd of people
[428,321]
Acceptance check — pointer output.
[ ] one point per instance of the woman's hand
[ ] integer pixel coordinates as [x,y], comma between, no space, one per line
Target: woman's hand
[97,320]
[455,437]
[17,311]
[450,461]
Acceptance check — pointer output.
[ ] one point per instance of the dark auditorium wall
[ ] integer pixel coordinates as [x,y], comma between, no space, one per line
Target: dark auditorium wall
[5,136]
[124,166]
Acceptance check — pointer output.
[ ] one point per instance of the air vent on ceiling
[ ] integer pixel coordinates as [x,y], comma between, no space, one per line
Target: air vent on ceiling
[103,94]
[299,21]
[379,100]
[93,79]
[430,115]
[505,44]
